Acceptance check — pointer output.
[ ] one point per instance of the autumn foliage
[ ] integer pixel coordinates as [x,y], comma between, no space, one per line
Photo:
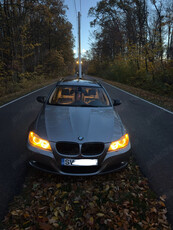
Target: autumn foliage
[134,43]
[36,40]
[119,201]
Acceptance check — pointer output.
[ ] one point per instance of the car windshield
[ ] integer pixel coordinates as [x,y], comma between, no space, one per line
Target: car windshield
[79,96]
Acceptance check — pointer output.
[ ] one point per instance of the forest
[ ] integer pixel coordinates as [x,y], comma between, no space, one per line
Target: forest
[133,43]
[36,42]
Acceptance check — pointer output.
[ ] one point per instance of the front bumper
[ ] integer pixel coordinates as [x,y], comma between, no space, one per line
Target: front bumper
[51,161]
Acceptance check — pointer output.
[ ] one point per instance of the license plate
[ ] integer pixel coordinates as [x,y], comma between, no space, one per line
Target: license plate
[79,162]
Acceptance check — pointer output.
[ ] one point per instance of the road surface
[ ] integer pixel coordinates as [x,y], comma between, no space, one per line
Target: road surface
[15,119]
[151,134]
[150,129]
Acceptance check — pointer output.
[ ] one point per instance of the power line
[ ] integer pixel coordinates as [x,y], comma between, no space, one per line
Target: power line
[75,7]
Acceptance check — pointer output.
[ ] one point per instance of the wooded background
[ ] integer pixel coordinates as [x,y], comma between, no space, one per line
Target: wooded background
[35,39]
[133,43]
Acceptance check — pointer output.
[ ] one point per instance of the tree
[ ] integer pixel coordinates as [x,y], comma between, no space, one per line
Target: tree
[135,35]
[30,32]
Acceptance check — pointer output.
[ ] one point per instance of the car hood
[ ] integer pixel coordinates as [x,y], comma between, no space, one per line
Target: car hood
[63,123]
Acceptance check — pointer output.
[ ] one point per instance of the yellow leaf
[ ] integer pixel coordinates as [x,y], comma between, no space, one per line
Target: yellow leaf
[27,222]
[26,215]
[107,187]
[100,214]
[91,220]
[162,203]
[56,213]
[58,185]
[61,213]
[64,193]
[56,193]
[14,213]
[76,202]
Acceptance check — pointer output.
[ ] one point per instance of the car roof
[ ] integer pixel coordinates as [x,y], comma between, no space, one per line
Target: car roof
[79,82]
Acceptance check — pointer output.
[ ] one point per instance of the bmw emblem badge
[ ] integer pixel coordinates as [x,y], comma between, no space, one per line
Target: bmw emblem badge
[80,138]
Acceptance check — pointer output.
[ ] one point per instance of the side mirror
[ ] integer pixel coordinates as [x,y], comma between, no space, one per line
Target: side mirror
[116,102]
[41,99]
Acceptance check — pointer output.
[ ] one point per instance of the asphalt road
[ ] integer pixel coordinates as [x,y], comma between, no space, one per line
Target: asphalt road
[151,135]
[150,129]
[15,119]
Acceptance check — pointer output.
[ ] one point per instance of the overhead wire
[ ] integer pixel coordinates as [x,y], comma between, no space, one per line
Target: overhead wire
[75,6]
[80,6]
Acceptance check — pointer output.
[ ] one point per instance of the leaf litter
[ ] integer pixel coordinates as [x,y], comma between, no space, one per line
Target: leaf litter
[120,200]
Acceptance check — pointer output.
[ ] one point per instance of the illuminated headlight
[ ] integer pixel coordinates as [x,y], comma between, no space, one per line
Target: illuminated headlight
[119,144]
[38,142]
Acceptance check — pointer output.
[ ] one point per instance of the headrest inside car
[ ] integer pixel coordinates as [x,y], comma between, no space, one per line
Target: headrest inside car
[65,92]
[92,92]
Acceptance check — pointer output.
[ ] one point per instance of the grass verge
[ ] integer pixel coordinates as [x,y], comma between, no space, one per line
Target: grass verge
[28,87]
[163,101]
[121,200]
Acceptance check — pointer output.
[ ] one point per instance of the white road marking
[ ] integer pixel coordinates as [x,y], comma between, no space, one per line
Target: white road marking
[168,111]
[19,98]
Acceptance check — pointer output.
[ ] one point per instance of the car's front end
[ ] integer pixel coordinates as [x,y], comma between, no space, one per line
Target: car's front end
[79,159]
[78,139]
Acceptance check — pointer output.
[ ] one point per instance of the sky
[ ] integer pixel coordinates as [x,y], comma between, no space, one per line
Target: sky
[86,31]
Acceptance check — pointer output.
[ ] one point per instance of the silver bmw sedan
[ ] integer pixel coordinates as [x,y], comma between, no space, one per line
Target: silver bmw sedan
[77,131]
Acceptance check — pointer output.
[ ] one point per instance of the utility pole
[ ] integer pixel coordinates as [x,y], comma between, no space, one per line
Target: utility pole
[79,49]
